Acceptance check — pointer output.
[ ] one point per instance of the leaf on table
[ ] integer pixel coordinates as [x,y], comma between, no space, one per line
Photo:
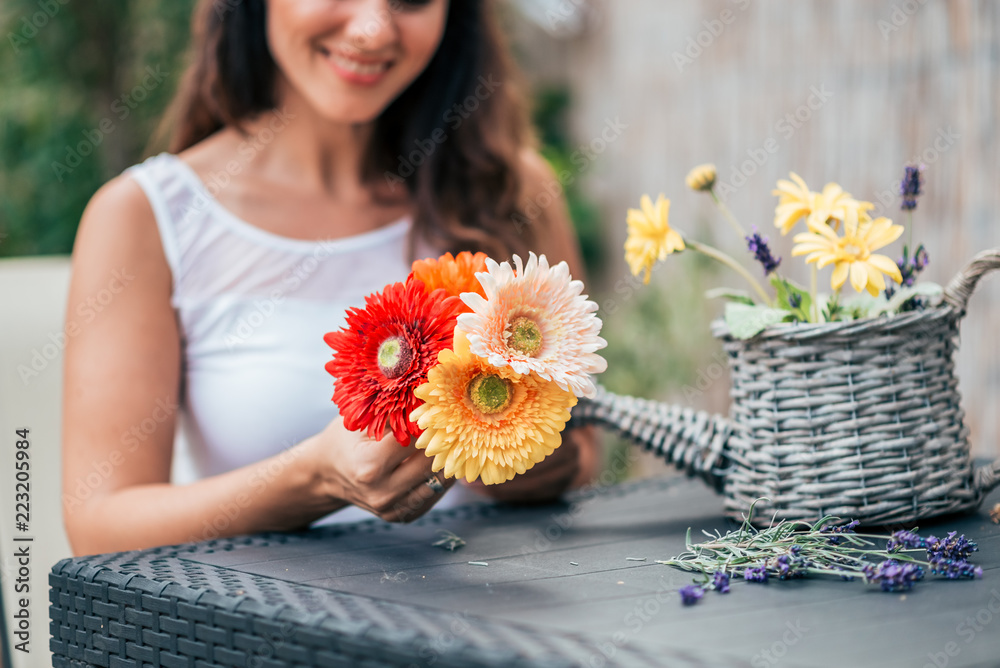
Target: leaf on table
[448,541]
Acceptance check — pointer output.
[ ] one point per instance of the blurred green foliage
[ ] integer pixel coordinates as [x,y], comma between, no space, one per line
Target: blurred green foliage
[551,106]
[84,85]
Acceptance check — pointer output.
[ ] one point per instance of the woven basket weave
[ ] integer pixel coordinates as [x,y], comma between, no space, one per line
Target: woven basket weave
[859,419]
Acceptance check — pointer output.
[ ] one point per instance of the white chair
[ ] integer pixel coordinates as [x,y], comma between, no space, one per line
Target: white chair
[33,294]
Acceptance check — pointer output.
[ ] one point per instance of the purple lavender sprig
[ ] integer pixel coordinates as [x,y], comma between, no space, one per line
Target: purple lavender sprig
[911,187]
[892,575]
[758,245]
[720,582]
[756,573]
[901,540]
[843,528]
[790,566]
[691,594]
[956,569]
[909,269]
[953,546]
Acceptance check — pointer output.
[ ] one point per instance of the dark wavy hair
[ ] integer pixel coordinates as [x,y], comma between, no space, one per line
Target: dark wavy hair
[460,164]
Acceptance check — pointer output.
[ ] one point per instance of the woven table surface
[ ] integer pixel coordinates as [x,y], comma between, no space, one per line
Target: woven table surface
[563,586]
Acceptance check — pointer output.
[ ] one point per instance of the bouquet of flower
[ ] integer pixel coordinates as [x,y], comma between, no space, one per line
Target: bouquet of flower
[480,362]
[840,232]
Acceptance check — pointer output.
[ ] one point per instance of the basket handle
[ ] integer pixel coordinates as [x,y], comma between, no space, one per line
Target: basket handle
[694,441]
[958,291]
[987,477]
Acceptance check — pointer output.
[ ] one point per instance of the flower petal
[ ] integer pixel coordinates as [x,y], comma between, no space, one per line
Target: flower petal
[839,275]
[859,275]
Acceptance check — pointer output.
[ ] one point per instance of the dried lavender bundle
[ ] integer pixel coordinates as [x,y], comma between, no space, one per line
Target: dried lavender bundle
[829,547]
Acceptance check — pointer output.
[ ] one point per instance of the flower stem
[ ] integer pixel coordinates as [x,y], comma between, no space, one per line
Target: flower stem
[814,294]
[909,232]
[727,214]
[716,254]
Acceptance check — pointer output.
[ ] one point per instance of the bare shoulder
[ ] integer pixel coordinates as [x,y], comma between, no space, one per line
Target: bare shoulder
[118,229]
[537,176]
[544,205]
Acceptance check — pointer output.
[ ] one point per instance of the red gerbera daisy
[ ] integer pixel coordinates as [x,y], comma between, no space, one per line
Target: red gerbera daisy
[384,351]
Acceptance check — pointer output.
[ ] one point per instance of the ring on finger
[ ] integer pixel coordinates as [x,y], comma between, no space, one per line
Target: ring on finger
[435,484]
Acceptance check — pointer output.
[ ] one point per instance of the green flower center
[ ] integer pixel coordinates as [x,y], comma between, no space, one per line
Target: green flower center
[394,357]
[525,336]
[490,394]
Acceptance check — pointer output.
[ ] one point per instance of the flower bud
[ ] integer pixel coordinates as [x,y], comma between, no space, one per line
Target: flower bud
[701,177]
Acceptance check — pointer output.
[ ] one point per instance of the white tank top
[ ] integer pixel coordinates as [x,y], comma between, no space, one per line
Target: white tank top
[252,307]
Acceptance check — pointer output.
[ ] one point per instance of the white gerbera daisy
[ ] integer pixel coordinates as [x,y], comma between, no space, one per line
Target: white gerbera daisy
[535,318]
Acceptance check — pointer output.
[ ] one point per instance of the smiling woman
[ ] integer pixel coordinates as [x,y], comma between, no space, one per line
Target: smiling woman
[317,148]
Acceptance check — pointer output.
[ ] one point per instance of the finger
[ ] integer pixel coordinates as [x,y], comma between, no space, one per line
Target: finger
[415,471]
[418,500]
[389,451]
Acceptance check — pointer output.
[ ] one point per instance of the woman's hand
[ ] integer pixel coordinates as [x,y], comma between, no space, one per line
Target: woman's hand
[382,476]
[572,464]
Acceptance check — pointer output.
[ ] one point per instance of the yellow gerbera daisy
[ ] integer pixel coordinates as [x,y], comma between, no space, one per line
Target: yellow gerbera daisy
[650,238]
[796,201]
[852,254]
[487,422]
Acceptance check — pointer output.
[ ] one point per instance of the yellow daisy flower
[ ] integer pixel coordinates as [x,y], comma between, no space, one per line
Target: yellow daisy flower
[796,201]
[487,422]
[650,238]
[852,254]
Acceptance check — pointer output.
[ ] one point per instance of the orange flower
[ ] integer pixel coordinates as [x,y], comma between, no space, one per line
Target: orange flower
[454,275]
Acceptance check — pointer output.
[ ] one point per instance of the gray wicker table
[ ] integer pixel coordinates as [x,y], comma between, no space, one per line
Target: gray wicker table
[561,587]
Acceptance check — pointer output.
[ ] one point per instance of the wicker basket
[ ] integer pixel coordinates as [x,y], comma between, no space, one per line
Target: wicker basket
[857,419]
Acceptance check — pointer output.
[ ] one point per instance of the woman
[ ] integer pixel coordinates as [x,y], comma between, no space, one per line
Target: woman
[318,146]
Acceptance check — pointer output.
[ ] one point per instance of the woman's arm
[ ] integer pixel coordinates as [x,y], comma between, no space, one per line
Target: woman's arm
[579,459]
[123,371]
